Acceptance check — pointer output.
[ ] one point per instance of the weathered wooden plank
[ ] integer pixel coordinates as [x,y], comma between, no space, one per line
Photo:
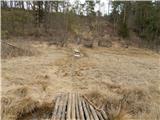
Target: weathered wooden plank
[100,115]
[90,112]
[94,113]
[59,113]
[73,107]
[81,109]
[104,115]
[90,102]
[77,107]
[85,109]
[59,108]
[56,108]
[69,107]
[64,107]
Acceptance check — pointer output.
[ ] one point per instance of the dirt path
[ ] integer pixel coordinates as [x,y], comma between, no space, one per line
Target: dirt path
[107,71]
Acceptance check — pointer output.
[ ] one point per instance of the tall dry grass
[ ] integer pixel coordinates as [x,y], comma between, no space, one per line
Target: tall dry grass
[20,103]
[9,50]
[126,103]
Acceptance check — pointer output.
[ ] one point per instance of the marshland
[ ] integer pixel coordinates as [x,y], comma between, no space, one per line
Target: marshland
[117,68]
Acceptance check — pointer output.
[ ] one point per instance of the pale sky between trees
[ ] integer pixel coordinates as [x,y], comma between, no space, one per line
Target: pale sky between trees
[103,5]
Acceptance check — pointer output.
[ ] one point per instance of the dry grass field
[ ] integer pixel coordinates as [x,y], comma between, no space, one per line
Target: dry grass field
[123,81]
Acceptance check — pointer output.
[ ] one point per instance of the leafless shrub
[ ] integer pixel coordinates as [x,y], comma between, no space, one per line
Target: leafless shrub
[88,43]
[104,43]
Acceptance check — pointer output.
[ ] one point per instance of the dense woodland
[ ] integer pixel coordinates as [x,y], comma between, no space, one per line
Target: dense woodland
[60,18]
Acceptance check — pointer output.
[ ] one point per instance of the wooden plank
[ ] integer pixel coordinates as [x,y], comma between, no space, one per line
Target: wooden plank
[94,113]
[104,115]
[90,102]
[69,108]
[77,107]
[81,109]
[59,113]
[85,109]
[73,107]
[90,112]
[100,115]
[64,107]
[56,108]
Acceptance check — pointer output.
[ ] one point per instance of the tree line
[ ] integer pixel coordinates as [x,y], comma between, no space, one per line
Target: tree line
[140,17]
[143,18]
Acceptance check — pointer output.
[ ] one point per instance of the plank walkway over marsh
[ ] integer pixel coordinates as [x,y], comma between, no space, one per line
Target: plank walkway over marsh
[73,106]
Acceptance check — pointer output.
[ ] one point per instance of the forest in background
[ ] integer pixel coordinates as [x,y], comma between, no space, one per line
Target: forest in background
[61,20]
[50,47]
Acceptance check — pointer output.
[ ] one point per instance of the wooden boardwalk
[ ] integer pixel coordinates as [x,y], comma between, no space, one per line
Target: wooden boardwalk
[72,106]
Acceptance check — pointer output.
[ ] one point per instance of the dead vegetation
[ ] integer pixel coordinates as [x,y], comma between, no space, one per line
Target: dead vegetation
[9,50]
[116,76]
[12,111]
[123,82]
[119,101]
[15,107]
[126,103]
[43,111]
